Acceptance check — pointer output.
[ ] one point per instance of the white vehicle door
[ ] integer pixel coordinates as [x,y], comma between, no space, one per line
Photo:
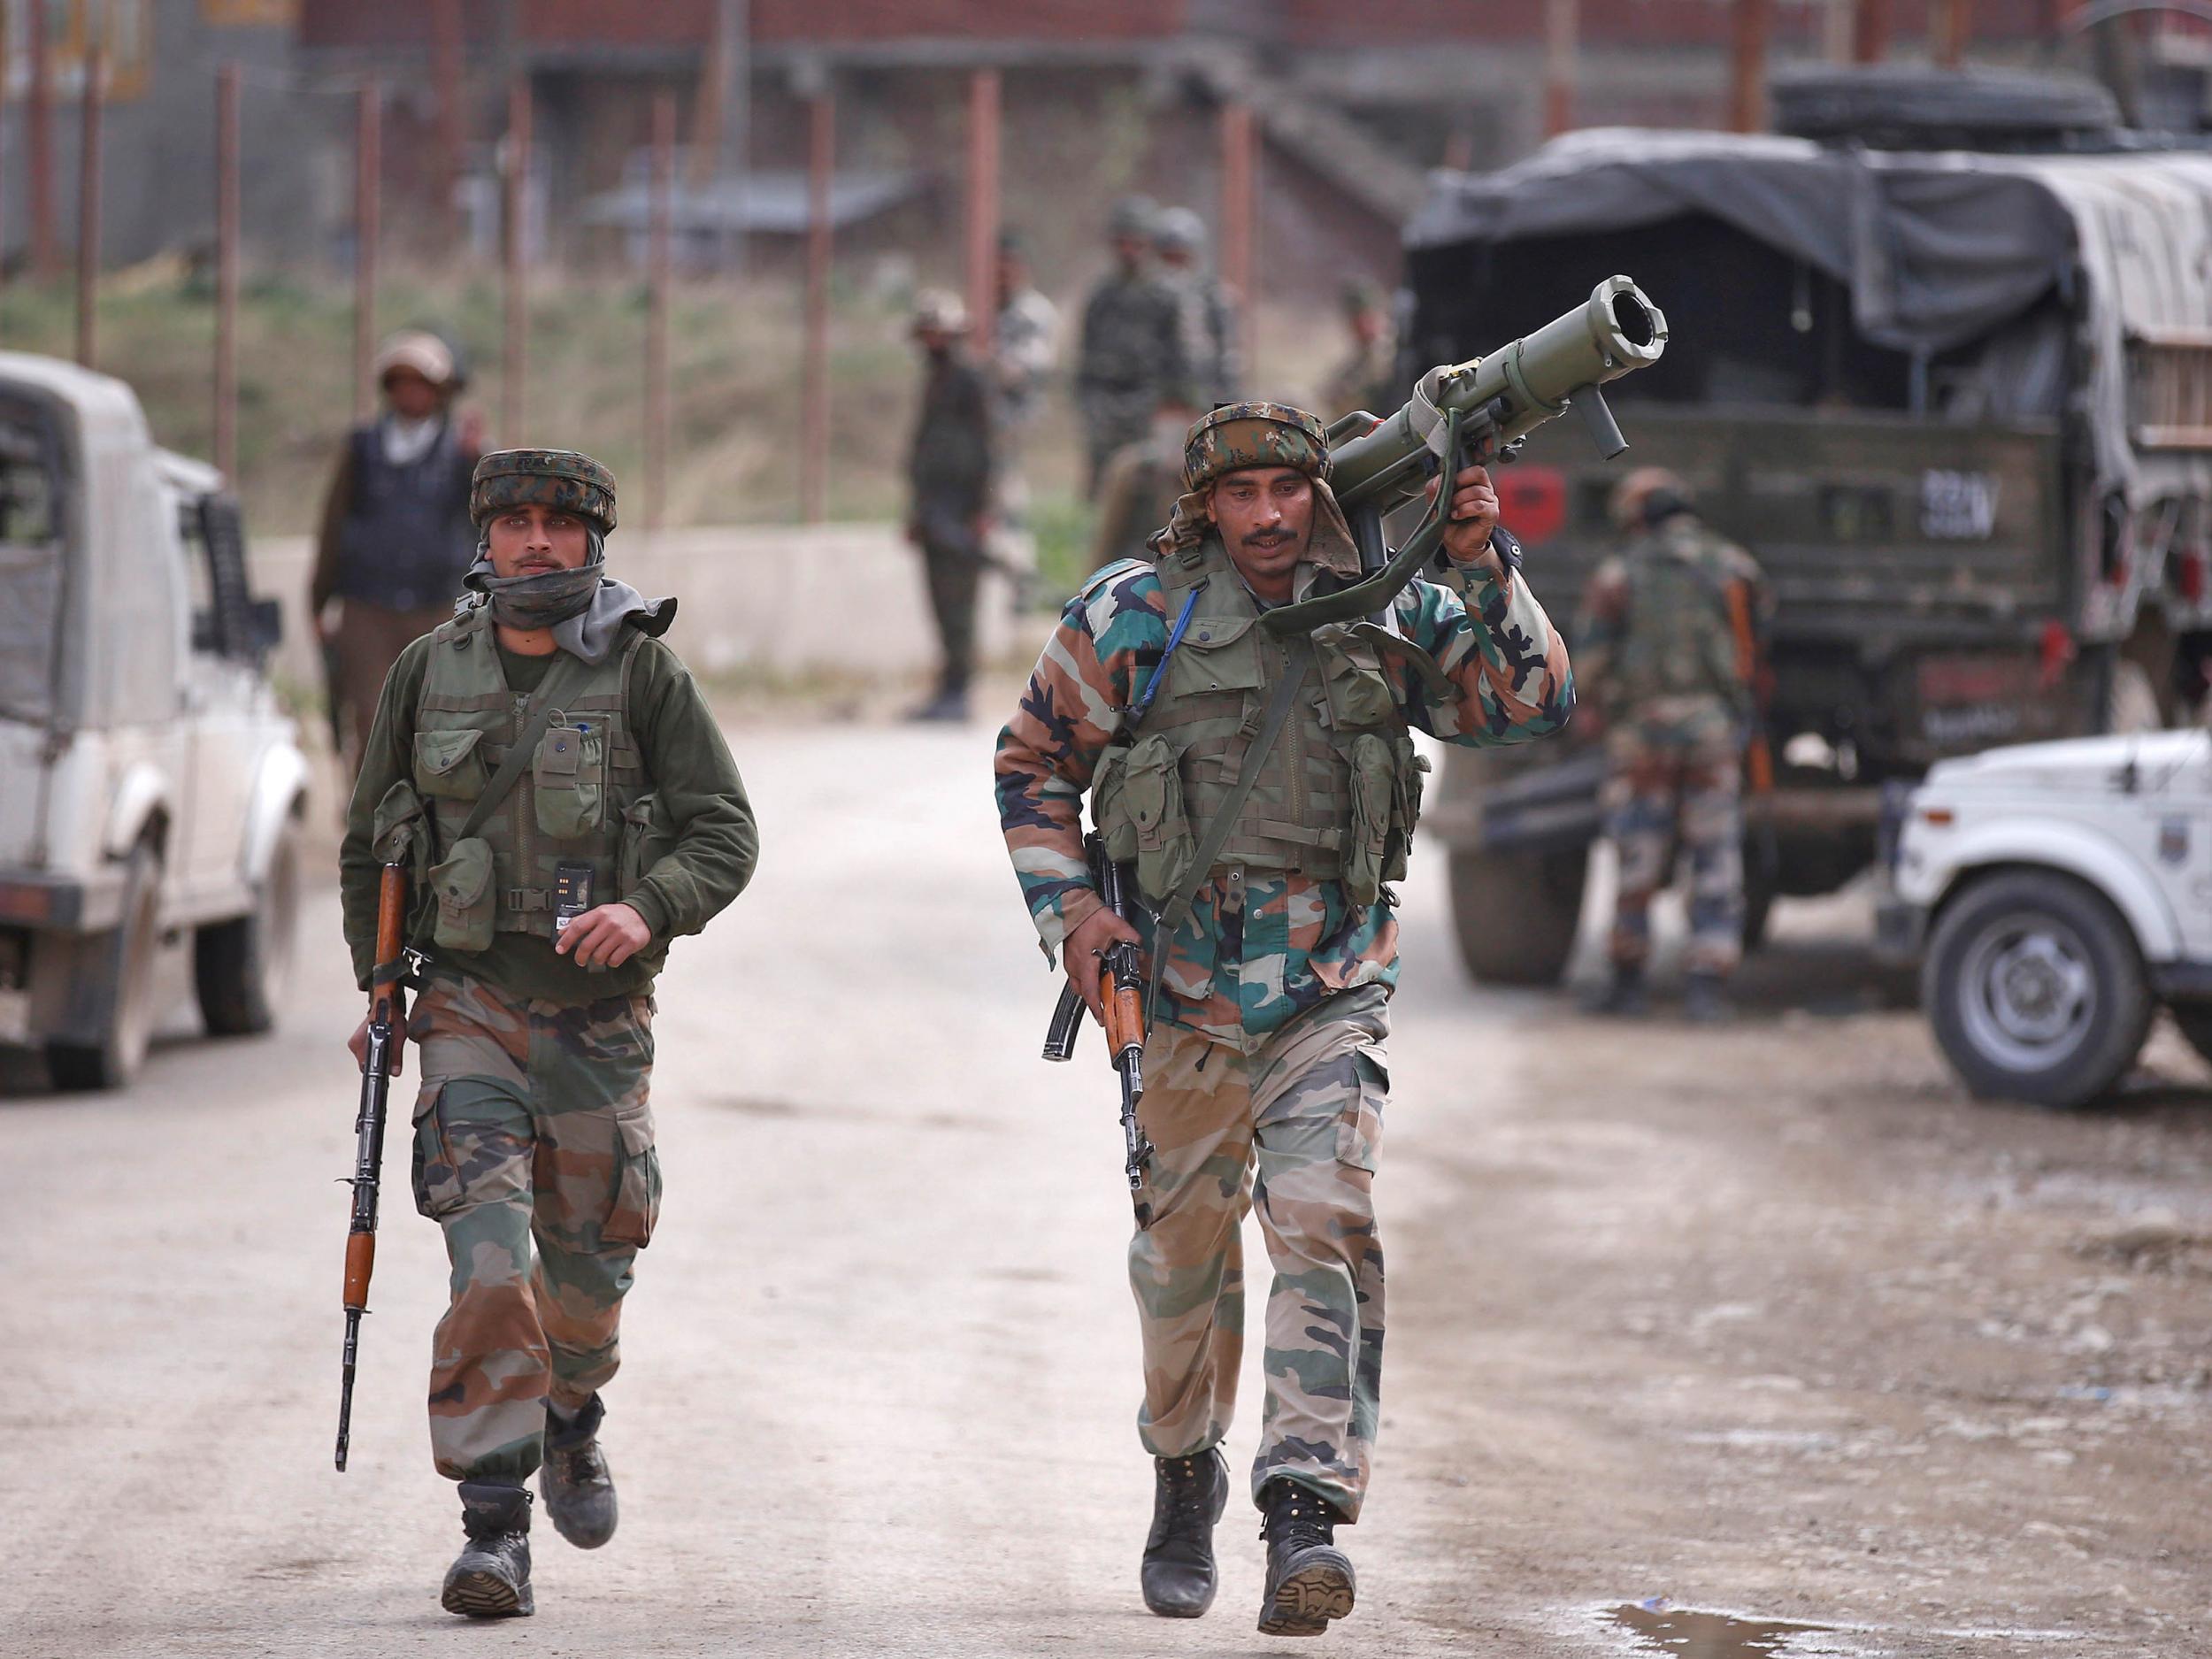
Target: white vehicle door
[31,584]
[2181,845]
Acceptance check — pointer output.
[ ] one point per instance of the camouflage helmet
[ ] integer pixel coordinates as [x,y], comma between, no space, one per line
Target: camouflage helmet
[1131,217]
[1254,433]
[1178,230]
[560,479]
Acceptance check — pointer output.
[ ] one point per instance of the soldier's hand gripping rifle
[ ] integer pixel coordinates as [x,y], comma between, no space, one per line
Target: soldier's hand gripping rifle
[386,1033]
[1121,995]
[1472,413]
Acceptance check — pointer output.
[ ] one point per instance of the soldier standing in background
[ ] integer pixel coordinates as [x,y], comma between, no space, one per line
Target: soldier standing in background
[1367,377]
[1265,802]
[396,536]
[948,472]
[1024,349]
[1132,347]
[1668,652]
[1206,313]
[1142,483]
[559,765]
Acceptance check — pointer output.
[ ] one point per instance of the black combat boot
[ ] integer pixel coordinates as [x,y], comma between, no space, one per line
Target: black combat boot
[1705,1000]
[1188,1496]
[579,1491]
[1309,1579]
[490,1577]
[1625,997]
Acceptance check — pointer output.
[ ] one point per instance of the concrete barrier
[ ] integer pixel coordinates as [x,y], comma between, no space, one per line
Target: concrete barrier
[845,599]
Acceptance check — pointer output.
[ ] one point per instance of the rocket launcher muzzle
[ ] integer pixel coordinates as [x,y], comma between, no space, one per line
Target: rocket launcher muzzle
[1503,398]
[1464,413]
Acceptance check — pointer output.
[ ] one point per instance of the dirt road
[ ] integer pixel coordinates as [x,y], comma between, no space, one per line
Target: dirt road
[1774,1321]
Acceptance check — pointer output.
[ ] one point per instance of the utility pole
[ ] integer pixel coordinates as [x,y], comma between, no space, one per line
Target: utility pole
[446,47]
[45,249]
[814,424]
[89,209]
[513,369]
[1562,29]
[226,272]
[368,171]
[1871,29]
[1752,28]
[983,207]
[659,258]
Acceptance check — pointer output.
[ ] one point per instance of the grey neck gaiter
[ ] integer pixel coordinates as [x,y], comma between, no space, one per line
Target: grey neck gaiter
[545,599]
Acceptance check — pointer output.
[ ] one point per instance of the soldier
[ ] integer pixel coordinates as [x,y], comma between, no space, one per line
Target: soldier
[396,535]
[1367,377]
[948,470]
[1668,656]
[556,761]
[1205,312]
[1266,798]
[1024,349]
[1142,483]
[1131,345]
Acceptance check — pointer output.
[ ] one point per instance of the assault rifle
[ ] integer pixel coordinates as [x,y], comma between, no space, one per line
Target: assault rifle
[388,1032]
[1121,993]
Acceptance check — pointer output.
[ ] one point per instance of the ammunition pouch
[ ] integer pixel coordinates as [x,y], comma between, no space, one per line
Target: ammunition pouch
[467,901]
[568,776]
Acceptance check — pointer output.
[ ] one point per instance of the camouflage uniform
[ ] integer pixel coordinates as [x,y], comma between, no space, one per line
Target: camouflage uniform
[1206,313]
[1661,660]
[1138,497]
[1132,350]
[948,474]
[1368,376]
[1265,1068]
[532,1125]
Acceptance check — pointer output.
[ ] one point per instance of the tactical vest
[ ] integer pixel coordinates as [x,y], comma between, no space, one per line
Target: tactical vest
[1338,794]
[406,540]
[583,801]
[1677,640]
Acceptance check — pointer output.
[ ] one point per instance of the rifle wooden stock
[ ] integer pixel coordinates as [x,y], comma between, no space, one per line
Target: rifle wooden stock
[1124,1003]
[360,1267]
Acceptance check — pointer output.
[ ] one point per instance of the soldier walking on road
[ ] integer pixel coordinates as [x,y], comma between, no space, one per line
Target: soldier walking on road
[1367,377]
[1265,791]
[1131,348]
[948,474]
[1668,652]
[553,770]
[1142,484]
[396,536]
[1206,313]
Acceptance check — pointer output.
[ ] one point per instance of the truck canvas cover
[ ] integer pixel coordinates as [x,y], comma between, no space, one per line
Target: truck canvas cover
[1938,250]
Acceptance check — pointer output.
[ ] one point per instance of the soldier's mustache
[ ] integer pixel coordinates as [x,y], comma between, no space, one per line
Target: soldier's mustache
[1267,538]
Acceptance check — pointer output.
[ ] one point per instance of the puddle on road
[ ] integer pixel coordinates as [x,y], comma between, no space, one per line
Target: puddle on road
[1676,1630]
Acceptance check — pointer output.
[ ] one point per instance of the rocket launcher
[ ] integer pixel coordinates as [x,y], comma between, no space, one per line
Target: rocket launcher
[1473,413]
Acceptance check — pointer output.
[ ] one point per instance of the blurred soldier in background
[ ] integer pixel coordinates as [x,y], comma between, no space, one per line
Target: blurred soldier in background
[948,470]
[1024,349]
[1668,658]
[1367,377]
[1206,313]
[1142,483]
[1131,345]
[395,536]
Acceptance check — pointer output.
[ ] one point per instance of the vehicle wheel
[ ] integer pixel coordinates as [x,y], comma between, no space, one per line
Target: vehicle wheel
[239,967]
[1516,913]
[2035,989]
[2195,1020]
[113,1061]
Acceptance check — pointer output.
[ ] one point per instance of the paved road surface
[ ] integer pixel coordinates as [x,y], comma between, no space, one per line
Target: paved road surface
[1775,1321]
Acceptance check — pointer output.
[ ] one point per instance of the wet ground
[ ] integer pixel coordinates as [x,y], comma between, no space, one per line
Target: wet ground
[1766,1341]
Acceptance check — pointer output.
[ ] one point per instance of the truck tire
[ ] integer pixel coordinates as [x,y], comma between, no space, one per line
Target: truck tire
[2035,989]
[113,1061]
[238,967]
[1516,913]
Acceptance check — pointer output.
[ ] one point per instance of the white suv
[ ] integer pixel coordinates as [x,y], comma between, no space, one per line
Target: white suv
[2063,891]
[150,788]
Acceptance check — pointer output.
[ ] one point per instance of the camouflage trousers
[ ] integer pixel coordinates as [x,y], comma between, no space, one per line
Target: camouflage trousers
[531,1128]
[1662,792]
[1290,1130]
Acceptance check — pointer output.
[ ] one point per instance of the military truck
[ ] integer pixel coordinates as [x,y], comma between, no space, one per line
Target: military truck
[1957,400]
[150,788]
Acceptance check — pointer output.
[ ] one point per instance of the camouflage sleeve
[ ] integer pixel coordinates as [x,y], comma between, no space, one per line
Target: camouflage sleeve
[1598,630]
[1483,625]
[388,756]
[717,843]
[1108,640]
